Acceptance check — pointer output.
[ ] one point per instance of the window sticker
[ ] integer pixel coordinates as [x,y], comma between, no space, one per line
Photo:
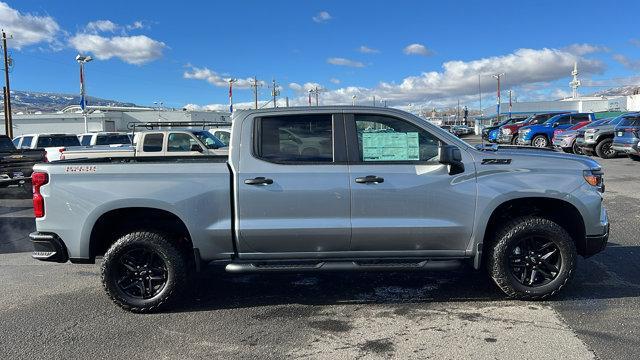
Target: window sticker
[390,146]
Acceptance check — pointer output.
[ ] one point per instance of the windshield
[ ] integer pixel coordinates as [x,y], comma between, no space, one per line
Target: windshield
[112,139]
[630,121]
[210,141]
[598,122]
[57,141]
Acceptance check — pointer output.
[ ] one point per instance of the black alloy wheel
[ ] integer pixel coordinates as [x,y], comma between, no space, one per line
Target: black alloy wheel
[141,273]
[535,261]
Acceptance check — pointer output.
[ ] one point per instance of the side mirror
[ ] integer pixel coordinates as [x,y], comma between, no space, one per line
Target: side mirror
[451,155]
[555,124]
[196,147]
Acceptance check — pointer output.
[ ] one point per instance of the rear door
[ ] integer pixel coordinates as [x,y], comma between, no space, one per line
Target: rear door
[292,187]
[402,199]
[152,144]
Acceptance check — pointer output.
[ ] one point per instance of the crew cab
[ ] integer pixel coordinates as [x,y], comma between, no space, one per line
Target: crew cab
[16,165]
[154,143]
[540,135]
[53,144]
[319,189]
[508,133]
[627,137]
[599,139]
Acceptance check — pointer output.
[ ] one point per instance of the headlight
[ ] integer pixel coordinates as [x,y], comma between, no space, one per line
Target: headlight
[592,131]
[526,131]
[506,131]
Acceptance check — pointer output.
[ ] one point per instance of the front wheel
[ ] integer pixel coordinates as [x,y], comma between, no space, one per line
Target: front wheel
[144,272]
[576,149]
[605,150]
[540,141]
[532,258]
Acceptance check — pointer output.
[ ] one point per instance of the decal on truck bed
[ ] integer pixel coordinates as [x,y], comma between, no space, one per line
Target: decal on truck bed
[80,169]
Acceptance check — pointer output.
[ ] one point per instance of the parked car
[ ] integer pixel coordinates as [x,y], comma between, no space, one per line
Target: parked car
[488,129]
[155,143]
[509,133]
[104,138]
[540,135]
[599,139]
[565,139]
[16,165]
[627,137]
[461,130]
[51,143]
[275,206]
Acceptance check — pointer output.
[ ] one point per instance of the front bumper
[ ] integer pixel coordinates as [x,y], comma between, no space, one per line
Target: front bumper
[48,247]
[523,141]
[595,244]
[504,138]
[562,143]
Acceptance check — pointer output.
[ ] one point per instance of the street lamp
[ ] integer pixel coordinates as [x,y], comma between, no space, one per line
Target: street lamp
[81,59]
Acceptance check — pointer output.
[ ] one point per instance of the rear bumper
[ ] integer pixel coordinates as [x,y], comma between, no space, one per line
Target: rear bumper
[48,247]
[626,147]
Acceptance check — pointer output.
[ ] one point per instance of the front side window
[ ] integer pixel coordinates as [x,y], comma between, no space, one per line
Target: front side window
[296,138]
[178,142]
[387,139]
[152,143]
[224,136]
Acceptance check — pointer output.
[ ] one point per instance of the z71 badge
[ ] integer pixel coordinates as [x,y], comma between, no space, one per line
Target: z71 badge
[80,169]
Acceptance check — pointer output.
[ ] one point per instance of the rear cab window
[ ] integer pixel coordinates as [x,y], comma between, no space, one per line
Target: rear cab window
[153,142]
[57,141]
[112,139]
[295,139]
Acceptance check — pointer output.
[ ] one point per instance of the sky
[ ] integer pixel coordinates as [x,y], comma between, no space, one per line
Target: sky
[412,54]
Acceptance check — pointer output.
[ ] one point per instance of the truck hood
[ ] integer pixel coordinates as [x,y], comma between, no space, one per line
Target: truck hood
[538,158]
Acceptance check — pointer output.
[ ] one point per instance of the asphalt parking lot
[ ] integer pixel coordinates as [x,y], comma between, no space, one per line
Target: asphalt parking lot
[61,311]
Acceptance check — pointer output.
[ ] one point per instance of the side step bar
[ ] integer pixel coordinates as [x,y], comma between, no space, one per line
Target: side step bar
[432,265]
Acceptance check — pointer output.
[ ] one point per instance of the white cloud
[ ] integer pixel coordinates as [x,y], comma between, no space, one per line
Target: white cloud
[367,50]
[560,94]
[135,25]
[626,62]
[635,42]
[417,49]
[138,49]
[101,26]
[334,81]
[28,29]
[459,79]
[304,88]
[585,49]
[344,62]
[322,16]
[217,79]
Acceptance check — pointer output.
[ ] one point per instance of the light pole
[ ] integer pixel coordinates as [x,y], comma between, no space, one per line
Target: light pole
[497,76]
[353,100]
[81,59]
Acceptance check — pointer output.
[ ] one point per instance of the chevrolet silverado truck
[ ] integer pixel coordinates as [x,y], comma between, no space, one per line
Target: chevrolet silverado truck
[321,189]
[16,165]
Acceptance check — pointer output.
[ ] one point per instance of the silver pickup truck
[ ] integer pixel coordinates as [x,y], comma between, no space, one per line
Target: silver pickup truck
[318,189]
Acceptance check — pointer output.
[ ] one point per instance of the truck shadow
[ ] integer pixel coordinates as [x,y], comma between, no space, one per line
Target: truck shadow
[612,274]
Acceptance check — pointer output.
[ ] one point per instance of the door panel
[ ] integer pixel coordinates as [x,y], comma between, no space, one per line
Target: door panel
[306,206]
[418,205]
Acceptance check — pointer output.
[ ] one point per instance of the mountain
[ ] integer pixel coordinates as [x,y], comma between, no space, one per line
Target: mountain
[31,101]
[619,91]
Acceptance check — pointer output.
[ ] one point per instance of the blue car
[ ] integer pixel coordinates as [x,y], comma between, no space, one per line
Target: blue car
[493,135]
[541,135]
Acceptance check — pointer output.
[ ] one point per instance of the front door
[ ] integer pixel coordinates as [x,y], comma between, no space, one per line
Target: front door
[402,198]
[293,188]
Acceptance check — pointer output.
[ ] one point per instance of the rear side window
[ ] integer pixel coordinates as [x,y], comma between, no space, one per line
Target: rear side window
[112,139]
[153,143]
[57,141]
[630,121]
[85,140]
[26,142]
[296,138]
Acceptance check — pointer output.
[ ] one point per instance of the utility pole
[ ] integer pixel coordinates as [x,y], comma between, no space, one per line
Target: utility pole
[231,81]
[7,113]
[497,76]
[374,101]
[458,112]
[4,104]
[286,101]
[316,91]
[255,86]
[480,94]
[274,92]
[509,103]
[83,101]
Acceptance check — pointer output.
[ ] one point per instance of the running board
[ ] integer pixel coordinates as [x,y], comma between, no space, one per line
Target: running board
[246,267]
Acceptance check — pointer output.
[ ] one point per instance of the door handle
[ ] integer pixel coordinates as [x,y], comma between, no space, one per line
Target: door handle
[369,179]
[260,180]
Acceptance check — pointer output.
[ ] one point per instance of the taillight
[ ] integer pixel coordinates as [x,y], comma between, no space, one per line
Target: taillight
[37,180]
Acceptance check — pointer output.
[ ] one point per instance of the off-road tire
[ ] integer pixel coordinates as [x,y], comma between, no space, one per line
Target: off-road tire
[176,264]
[540,137]
[510,234]
[576,149]
[601,149]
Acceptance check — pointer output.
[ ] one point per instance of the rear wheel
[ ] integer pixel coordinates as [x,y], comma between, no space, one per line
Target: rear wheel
[605,150]
[540,141]
[144,272]
[532,258]
[634,157]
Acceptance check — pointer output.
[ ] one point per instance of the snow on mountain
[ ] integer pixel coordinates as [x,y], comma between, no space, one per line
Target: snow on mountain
[31,101]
